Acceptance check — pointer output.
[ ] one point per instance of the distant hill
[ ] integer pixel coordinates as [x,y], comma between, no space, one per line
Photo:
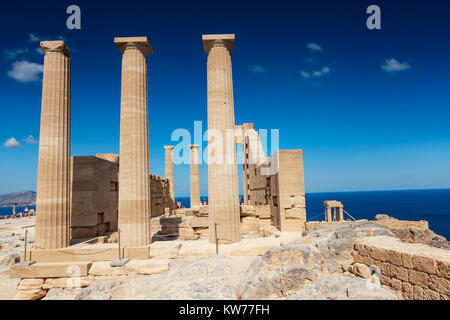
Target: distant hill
[21,198]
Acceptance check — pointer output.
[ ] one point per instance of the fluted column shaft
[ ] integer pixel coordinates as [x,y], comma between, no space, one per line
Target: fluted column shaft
[195,177]
[222,174]
[53,196]
[134,182]
[169,172]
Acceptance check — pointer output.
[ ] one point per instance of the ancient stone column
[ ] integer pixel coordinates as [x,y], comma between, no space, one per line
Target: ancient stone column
[53,185]
[339,214]
[169,172]
[224,217]
[195,177]
[134,183]
[328,217]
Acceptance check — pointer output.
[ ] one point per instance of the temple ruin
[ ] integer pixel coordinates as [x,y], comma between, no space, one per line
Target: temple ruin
[99,208]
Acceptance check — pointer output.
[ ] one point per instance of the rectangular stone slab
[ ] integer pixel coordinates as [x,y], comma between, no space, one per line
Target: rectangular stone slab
[50,270]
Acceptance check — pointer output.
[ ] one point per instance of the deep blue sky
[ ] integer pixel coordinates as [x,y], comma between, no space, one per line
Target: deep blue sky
[361,127]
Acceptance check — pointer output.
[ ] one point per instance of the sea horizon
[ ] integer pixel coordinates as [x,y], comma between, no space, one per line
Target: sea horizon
[432,205]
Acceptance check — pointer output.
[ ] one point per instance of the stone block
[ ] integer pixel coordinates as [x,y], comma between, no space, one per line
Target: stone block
[407,260]
[295,213]
[396,284]
[361,270]
[379,254]
[165,249]
[430,295]
[33,294]
[440,284]
[31,284]
[263,211]
[73,282]
[443,269]
[408,290]
[424,264]
[418,293]
[418,278]
[199,222]
[50,270]
[395,257]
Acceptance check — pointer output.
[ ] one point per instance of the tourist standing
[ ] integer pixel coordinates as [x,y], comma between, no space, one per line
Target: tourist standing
[26,211]
[14,210]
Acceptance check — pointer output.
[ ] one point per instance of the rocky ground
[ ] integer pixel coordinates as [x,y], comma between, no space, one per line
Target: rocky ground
[318,266]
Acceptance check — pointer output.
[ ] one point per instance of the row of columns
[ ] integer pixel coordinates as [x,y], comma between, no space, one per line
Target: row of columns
[194,179]
[53,187]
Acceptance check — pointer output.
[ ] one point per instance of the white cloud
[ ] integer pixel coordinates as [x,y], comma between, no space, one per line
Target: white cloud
[33,38]
[12,143]
[14,53]
[315,74]
[256,68]
[30,140]
[38,50]
[314,47]
[25,71]
[393,66]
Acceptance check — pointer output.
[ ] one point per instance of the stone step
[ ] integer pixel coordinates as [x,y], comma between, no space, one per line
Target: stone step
[50,270]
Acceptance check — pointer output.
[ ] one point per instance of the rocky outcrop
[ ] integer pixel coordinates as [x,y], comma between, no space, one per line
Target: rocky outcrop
[338,287]
[412,231]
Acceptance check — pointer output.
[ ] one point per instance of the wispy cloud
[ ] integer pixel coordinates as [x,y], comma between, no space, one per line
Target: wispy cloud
[314,47]
[315,74]
[11,143]
[25,71]
[30,140]
[34,38]
[256,68]
[14,53]
[393,66]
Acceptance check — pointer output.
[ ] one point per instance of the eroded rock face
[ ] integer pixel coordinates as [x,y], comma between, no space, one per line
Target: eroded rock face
[205,278]
[338,287]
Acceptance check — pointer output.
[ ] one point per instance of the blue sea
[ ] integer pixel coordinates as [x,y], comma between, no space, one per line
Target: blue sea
[432,205]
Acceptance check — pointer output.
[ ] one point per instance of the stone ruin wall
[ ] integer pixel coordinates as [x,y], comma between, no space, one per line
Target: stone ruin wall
[94,195]
[279,184]
[414,271]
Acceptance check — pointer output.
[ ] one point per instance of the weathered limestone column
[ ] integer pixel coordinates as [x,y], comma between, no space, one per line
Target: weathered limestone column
[134,182]
[53,185]
[328,217]
[339,214]
[195,177]
[169,172]
[222,167]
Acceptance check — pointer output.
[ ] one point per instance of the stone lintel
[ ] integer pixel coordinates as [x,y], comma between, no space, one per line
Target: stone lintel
[57,46]
[169,147]
[134,42]
[209,40]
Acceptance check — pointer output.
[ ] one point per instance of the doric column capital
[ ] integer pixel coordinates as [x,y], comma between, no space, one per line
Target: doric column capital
[194,146]
[218,40]
[56,47]
[134,43]
[169,147]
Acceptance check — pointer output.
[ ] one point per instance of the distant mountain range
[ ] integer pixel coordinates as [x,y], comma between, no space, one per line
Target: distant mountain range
[21,198]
